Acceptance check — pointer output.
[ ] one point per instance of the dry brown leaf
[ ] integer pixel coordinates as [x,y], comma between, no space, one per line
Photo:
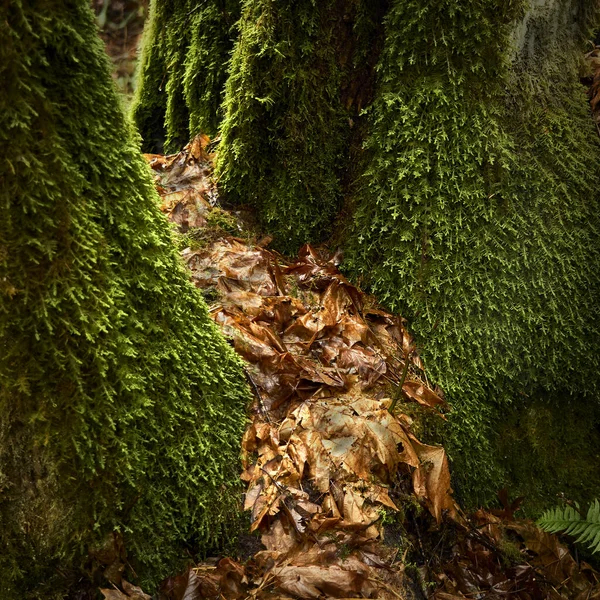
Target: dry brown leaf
[320,581]
[422,394]
[113,594]
[431,479]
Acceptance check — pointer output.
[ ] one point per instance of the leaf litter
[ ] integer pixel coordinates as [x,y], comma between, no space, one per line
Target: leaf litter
[325,458]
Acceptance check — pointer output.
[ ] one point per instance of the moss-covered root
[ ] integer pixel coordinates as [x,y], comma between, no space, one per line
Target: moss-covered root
[478,212]
[183,68]
[121,406]
[285,128]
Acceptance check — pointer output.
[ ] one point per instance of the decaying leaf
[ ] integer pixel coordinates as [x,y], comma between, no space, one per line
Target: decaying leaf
[130,592]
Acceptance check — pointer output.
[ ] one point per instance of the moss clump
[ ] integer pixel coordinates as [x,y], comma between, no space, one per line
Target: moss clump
[183,68]
[219,223]
[286,129]
[477,213]
[298,78]
[121,406]
[222,221]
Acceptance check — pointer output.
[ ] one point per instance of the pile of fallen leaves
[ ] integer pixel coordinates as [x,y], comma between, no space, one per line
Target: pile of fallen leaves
[347,502]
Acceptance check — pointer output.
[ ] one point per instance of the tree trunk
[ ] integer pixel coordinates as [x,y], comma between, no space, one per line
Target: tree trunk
[288,105]
[477,217]
[183,68]
[121,406]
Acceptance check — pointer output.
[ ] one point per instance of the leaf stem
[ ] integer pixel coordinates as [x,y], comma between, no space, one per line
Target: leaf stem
[402,379]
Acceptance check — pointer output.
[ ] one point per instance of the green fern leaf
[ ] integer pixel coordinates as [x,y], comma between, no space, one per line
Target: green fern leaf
[568,520]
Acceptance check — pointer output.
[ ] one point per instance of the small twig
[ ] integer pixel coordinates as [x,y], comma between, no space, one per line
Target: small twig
[589,592]
[261,405]
[268,577]
[197,7]
[582,513]
[399,392]
[419,538]
[442,537]
[478,536]
[278,485]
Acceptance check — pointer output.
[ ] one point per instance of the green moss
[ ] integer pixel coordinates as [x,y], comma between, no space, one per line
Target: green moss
[121,406]
[222,220]
[550,448]
[183,67]
[509,551]
[219,224]
[472,206]
[299,76]
[285,133]
[477,215]
[149,105]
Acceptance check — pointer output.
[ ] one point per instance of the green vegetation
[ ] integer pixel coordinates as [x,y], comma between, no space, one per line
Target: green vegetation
[183,68]
[219,223]
[548,447]
[300,74]
[477,218]
[121,406]
[284,131]
[466,196]
[570,521]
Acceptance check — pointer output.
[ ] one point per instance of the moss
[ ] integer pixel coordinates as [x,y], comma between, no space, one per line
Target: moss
[222,220]
[121,406]
[193,239]
[149,105]
[509,552]
[185,52]
[219,223]
[550,449]
[477,216]
[299,77]
[285,134]
[472,206]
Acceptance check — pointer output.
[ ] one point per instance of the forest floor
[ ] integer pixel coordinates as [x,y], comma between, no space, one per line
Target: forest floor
[344,500]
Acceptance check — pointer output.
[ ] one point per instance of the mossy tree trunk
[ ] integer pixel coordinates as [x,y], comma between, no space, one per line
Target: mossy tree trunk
[477,217]
[288,105]
[183,68]
[121,406]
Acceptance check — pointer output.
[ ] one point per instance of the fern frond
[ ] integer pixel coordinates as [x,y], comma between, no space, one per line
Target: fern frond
[568,520]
